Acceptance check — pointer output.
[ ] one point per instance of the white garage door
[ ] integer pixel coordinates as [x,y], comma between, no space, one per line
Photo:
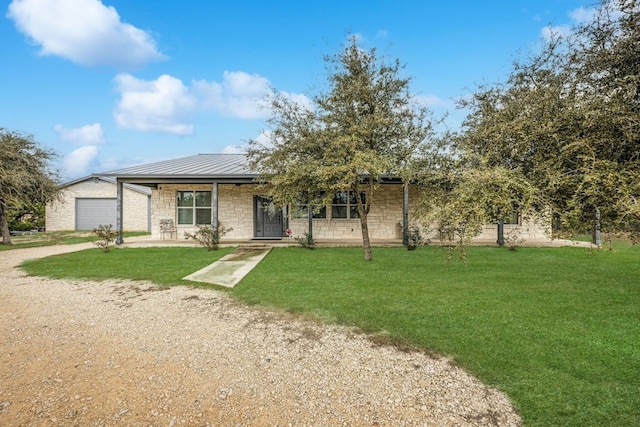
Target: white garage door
[90,213]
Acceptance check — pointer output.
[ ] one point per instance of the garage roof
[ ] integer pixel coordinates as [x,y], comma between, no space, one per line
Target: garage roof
[138,188]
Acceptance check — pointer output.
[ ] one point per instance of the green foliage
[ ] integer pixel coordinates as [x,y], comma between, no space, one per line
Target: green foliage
[414,237]
[208,236]
[514,240]
[367,125]
[106,236]
[27,180]
[306,241]
[567,119]
[460,200]
[22,218]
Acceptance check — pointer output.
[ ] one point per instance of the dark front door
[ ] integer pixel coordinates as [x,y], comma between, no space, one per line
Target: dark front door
[267,218]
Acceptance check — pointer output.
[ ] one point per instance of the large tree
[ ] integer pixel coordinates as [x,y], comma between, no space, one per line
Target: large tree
[364,127]
[27,178]
[568,118]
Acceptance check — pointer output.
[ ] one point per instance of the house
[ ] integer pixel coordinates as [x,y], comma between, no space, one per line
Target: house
[219,189]
[91,201]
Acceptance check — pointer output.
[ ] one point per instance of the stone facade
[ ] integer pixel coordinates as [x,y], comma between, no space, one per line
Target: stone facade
[236,211]
[61,216]
[384,220]
[235,208]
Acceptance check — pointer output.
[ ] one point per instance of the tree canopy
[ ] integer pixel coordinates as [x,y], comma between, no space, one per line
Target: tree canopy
[27,179]
[568,120]
[365,126]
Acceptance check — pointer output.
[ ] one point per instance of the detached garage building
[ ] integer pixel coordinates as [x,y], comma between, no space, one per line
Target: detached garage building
[91,201]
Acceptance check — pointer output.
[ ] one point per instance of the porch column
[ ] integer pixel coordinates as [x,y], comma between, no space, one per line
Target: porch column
[214,206]
[119,216]
[405,213]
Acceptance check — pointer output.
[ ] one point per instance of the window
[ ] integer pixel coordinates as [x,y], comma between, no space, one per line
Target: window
[512,219]
[302,212]
[345,205]
[194,207]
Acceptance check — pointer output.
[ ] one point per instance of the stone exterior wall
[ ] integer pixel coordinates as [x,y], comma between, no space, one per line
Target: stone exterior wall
[235,210]
[384,220]
[61,216]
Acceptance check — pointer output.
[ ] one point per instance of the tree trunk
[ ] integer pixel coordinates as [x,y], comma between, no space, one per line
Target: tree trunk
[4,228]
[366,243]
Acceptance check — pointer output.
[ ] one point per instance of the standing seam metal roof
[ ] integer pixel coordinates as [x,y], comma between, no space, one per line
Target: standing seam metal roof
[200,165]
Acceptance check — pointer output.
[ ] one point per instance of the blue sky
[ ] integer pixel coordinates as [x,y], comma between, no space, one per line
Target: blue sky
[116,83]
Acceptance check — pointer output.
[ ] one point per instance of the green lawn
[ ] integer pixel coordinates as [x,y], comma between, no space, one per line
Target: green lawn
[557,329]
[56,238]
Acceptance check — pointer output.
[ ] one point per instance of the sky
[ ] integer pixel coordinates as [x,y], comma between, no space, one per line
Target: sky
[115,83]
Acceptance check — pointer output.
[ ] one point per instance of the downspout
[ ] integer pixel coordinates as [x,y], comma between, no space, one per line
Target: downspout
[214,206]
[405,213]
[119,210]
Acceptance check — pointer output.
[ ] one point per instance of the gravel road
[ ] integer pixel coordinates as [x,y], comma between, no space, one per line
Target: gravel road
[77,353]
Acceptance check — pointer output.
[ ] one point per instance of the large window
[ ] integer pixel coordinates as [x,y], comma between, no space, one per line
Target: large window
[345,205]
[194,207]
[301,210]
[513,219]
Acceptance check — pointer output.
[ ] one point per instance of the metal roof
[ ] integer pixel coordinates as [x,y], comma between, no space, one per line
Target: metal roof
[200,166]
[138,188]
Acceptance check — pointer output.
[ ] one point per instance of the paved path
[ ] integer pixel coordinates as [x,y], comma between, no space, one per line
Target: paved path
[230,270]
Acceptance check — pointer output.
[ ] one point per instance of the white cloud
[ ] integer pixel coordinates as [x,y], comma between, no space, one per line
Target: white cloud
[583,15]
[88,134]
[84,31]
[240,95]
[161,105]
[551,32]
[302,100]
[168,105]
[79,161]
[234,149]
[579,16]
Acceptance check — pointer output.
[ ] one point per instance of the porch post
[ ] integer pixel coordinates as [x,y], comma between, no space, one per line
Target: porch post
[119,216]
[405,213]
[214,206]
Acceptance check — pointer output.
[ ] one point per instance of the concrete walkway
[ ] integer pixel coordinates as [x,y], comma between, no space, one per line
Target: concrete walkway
[230,269]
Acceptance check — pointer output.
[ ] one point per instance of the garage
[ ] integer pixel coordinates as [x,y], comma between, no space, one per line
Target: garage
[88,202]
[90,213]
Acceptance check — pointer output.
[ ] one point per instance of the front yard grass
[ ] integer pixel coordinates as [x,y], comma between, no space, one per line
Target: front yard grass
[57,238]
[557,329]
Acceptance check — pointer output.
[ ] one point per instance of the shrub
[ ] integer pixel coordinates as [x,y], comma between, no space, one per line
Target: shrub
[513,240]
[306,241]
[208,236]
[414,237]
[106,236]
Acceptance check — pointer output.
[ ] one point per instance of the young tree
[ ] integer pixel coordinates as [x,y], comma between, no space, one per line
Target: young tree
[366,126]
[26,176]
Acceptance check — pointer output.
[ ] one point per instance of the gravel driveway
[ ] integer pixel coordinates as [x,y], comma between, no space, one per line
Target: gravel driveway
[78,353]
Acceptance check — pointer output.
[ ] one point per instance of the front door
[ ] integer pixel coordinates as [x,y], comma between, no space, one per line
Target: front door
[267,218]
